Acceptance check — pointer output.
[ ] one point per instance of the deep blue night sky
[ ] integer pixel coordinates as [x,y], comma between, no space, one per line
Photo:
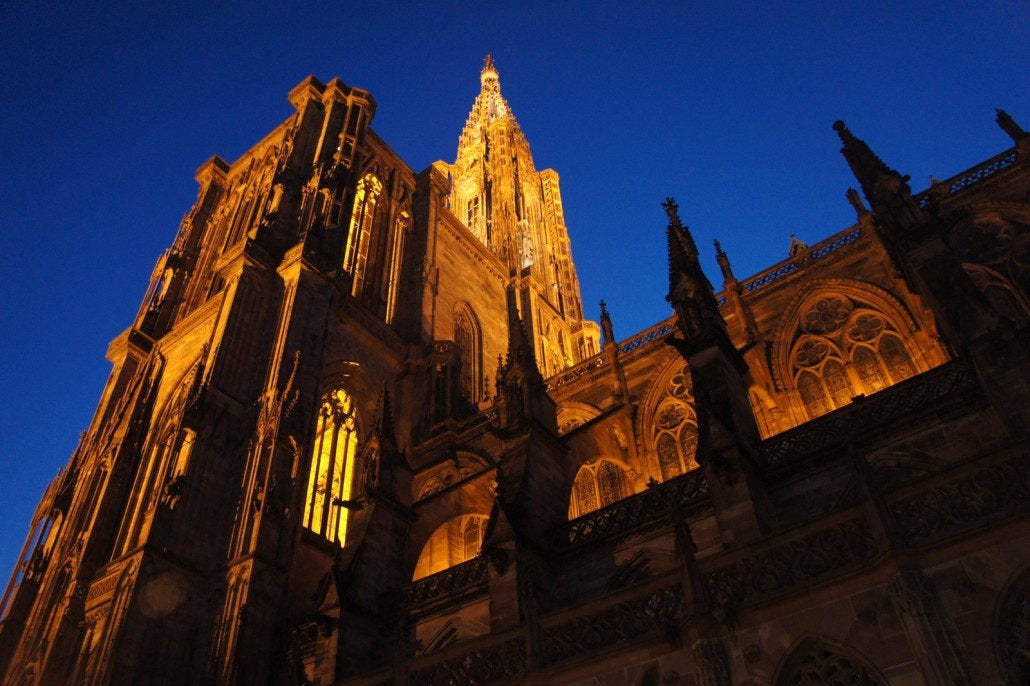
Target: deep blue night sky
[108,110]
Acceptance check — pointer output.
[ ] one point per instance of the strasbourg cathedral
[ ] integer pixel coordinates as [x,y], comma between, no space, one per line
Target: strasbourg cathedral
[361,432]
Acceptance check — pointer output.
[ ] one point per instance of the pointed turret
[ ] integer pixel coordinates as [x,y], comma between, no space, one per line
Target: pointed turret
[734,293]
[690,291]
[620,387]
[521,391]
[887,191]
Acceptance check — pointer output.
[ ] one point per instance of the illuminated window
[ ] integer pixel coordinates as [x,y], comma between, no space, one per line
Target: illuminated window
[455,541]
[332,468]
[846,349]
[466,336]
[675,439]
[355,256]
[596,486]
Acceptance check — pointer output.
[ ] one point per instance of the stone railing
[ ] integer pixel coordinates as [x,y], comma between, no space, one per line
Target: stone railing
[631,345]
[969,178]
[458,578]
[576,372]
[638,512]
[636,618]
[816,252]
[656,332]
[486,661]
[868,416]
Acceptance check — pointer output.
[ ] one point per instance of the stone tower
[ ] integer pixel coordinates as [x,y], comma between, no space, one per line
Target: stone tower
[516,212]
[244,472]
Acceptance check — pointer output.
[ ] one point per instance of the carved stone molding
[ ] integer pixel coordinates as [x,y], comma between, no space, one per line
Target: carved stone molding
[991,494]
[819,555]
[497,663]
[661,611]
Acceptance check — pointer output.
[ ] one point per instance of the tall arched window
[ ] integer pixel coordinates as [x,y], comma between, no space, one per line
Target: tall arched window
[844,349]
[596,486]
[332,467]
[675,427]
[466,336]
[393,274]
[355,256]
[675,439]
[455,541]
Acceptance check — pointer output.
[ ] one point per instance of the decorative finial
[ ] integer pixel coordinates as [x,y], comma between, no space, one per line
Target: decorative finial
[724,263]
[488,63]
[672,209]
[856,202]
[1009,125]
[607,331]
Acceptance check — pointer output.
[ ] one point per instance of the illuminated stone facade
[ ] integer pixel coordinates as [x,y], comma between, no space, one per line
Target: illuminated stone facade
[360,432]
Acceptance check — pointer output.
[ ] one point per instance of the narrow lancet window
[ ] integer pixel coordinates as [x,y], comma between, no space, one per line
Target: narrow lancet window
[331,481]
[355,256]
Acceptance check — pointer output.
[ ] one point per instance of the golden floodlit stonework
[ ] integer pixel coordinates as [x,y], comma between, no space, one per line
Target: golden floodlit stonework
[361,432]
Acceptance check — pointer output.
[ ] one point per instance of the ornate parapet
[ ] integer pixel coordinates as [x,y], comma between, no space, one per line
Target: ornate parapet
[788,564]
[467,578]
[934,391]
[988,496]
[641,512]
[969,178]
[641,617]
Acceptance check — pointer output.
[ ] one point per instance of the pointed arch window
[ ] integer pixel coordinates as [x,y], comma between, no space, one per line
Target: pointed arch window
[675,439]
[467,338]
[355,256]
[331,479]
[393,276]
[846,348]
[597,485]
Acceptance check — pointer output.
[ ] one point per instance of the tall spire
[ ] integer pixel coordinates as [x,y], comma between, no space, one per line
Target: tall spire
[690,291]
[515,211]
[867,167]
[887,190]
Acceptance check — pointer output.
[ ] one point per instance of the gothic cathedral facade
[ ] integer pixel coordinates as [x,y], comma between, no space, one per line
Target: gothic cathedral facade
[361,432]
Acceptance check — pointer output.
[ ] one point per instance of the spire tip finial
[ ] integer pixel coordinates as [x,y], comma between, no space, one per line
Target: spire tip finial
[672,209]
[488,63]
